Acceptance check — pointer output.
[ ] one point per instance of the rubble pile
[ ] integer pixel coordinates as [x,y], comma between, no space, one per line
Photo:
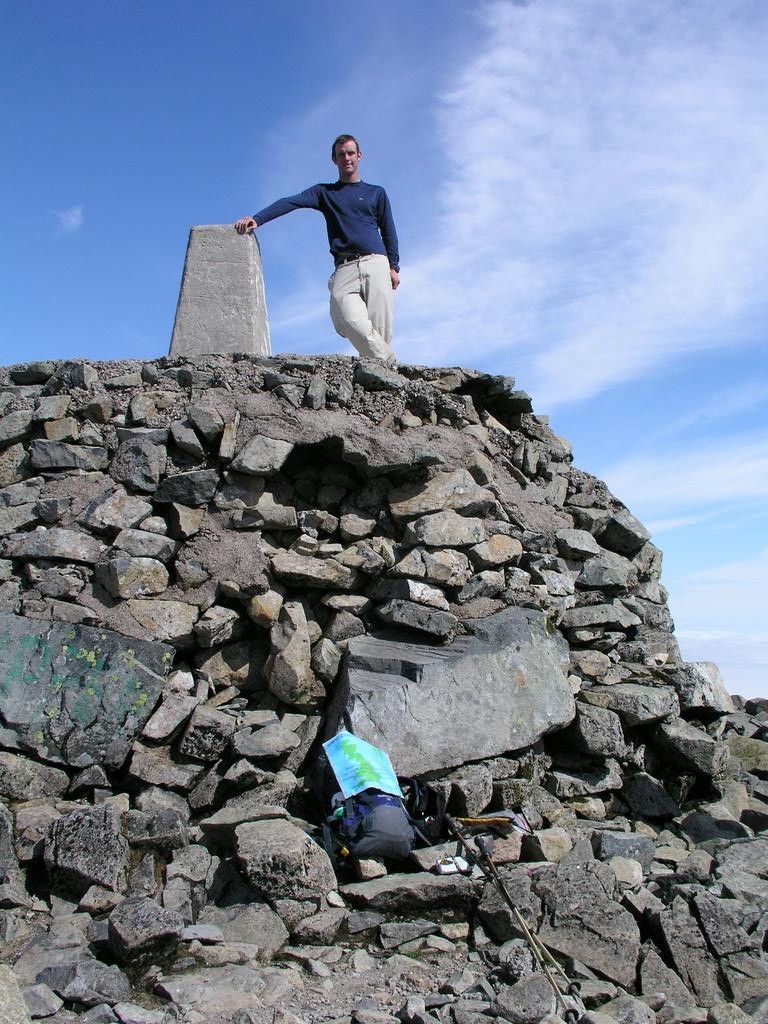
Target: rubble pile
[209,565]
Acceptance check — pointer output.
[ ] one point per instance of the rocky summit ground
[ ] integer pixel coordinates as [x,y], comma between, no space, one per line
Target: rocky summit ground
[208,566]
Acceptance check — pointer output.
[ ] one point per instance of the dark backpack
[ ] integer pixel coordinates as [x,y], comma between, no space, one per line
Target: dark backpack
[369,824]
[425,807]
[376,824]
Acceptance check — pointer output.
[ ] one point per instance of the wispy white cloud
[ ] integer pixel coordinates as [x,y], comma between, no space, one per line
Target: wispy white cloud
[744,397]
[605,204]
[720,617]
[70,220]
[726,598]
[696,477]
[741,657]
[657,526]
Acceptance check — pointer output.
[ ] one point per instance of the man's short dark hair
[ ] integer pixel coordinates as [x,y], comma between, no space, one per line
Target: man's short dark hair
[340,140]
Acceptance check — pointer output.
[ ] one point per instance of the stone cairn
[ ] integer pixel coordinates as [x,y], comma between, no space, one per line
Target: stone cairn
[209,564]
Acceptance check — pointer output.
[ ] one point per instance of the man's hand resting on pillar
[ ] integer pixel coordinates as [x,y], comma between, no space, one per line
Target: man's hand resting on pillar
[245,225]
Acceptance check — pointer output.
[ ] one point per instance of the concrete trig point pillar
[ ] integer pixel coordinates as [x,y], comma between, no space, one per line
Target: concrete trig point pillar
[221,304]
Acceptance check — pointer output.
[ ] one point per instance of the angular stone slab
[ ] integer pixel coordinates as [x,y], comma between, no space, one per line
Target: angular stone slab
[497,690]
[74,694]
[221,304]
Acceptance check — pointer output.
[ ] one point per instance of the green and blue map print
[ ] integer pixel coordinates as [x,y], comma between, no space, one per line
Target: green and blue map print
[358,765]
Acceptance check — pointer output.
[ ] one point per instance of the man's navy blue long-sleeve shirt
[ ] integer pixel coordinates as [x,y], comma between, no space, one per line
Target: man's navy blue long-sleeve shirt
[357,215]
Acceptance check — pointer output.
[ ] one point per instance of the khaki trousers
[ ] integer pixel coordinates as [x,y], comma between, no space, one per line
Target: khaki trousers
[361,305]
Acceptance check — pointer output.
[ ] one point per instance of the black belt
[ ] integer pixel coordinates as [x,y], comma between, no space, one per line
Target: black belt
[350,257]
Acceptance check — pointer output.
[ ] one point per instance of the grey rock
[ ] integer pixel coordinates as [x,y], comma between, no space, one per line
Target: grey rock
[262,456]
[140,931]
[746,975]
[185,438]
[24,779]
[655,976]
[445,529]
[405,893]
[690,748]
[373,376]
[250,807]
[471,790]
[688,951]
[752,753]
[432,622]
[92,983]
[9,867]
[114,511]
[15,426]
[409,590]
[86,847]
[281,862]
[504,683]
[94,689]
[456,490]
[195,488]
[301,570]
[320,929]
[288,669]
[700,688]
[526,1002]
[270,742]
[207,422]
[577,544]
[550,844]
[581,921]
[216,990]
[172,713]
[125,577]
[635,704]
[55,543]
[143,544]
[720,925]
[623,533]
[395,933]
[647,797]
[171,621]
[139,463]
[59,455]
[626,1009]
[33,373]
[608,572]
[600,617]
[208,734]
[156,769]
[248,922]
[496,551]
[41,1001]
[217,625]
[564,785]
[597,731]
[164,829]
[13,463]
[750,855]
[624,844]
[221,306]
[325,660]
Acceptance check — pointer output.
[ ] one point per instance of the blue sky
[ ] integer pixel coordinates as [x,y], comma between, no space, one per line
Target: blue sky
[580,189]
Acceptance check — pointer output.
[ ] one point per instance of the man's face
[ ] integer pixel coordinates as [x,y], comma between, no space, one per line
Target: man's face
[346,159]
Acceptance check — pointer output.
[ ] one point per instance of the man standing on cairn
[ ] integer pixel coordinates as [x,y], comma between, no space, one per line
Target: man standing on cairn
[363,243]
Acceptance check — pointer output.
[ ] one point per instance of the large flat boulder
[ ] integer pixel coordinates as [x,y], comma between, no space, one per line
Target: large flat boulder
[74,694]
[496,690]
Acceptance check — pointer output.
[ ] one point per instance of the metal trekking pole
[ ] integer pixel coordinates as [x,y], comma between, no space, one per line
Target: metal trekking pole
[547,963]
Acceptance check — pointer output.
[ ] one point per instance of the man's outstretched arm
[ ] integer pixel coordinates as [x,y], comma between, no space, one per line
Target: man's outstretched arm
[309,199]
